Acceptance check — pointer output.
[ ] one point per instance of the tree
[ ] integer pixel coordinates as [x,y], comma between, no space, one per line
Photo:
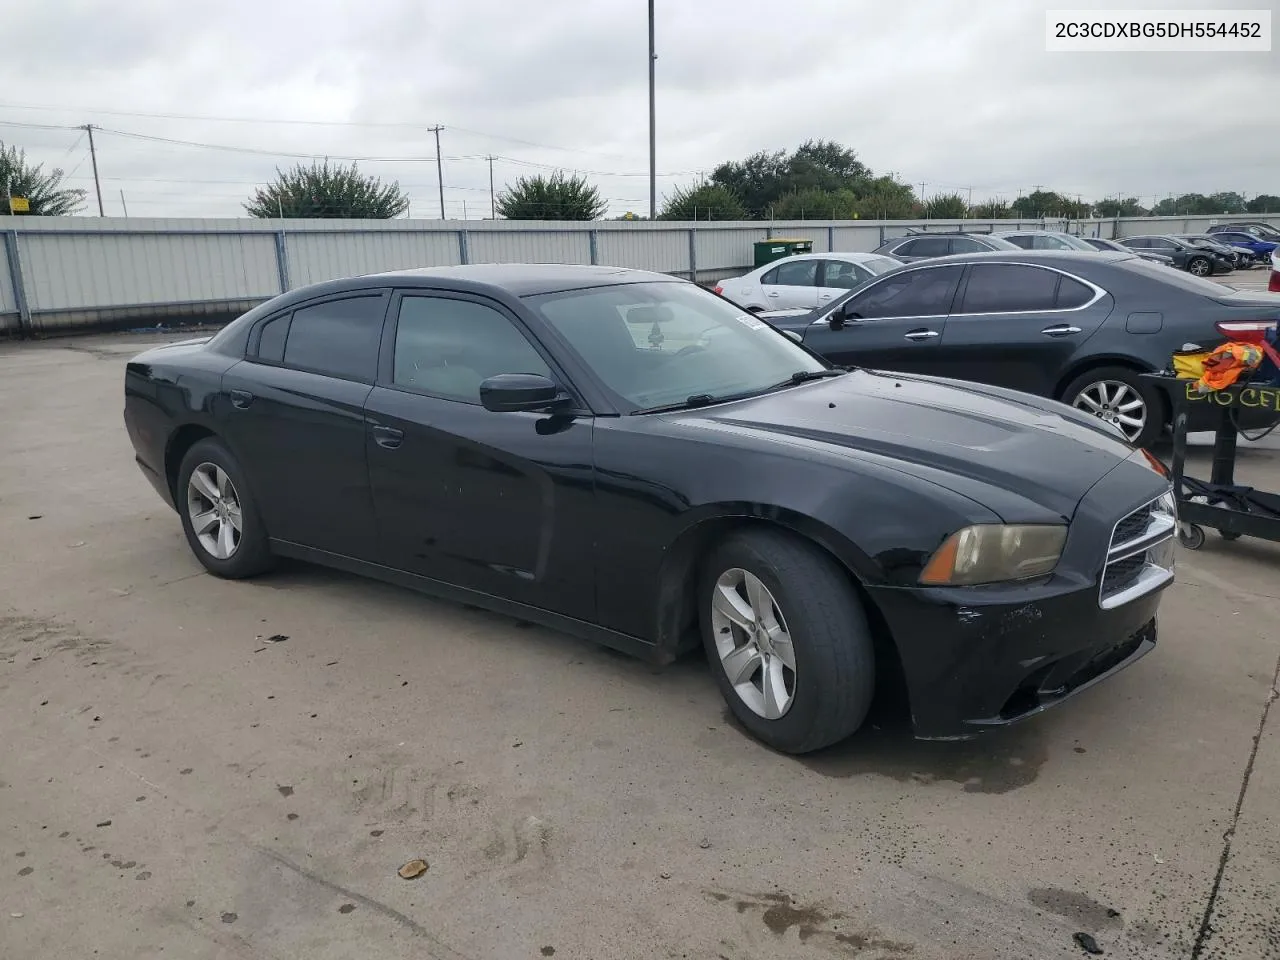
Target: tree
[757,181]
[824,165]
[945,206]
[815,204]
[1263,203]
[320,191]
[705,201]
[554,197]
[1046,203]
[884,198]
[1226,202]
[1115,207]
[44,192]
[991,210]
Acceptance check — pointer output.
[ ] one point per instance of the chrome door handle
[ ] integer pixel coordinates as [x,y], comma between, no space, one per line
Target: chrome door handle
[1061,330]
[772,293]
[921,334]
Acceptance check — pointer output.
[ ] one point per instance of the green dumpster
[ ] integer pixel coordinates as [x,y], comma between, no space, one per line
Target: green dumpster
[768,251]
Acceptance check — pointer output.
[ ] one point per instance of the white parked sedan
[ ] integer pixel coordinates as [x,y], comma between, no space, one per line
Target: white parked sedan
[806,280]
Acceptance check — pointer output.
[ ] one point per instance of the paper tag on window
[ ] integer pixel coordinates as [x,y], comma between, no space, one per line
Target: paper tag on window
[751,322]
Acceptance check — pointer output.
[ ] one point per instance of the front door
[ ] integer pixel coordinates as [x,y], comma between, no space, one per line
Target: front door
[894,323]
[495,502]
[294,417]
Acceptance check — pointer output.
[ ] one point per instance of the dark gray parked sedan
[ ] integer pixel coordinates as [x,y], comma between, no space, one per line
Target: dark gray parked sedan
[1076,327]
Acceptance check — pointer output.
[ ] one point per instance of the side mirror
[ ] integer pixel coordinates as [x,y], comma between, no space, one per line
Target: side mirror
[512,392]
[793,335]
[843,314]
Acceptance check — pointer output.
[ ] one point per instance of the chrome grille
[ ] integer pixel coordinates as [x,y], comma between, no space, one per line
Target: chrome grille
[1140,555]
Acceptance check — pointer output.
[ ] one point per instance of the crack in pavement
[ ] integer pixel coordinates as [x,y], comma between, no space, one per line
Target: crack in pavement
[1203,934]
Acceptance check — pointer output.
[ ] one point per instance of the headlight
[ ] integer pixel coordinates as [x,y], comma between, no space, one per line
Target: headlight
[995,553]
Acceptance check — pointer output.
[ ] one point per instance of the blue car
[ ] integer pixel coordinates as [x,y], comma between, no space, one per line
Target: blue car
[1261,249]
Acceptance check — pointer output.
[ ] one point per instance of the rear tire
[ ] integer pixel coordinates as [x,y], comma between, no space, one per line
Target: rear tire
[766,598]
[219,514]
[1107,392]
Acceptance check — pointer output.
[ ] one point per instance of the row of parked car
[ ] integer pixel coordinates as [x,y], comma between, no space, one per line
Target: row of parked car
[1045,313]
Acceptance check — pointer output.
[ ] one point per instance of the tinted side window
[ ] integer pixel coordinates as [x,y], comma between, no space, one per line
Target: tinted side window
[800,273]
[1006,288]
[967,245]
[930,247]
[1023,242]
[916,293]
[843,275]
[271,339]
[1049,243]
[449,347]
[1072,293]
[771,277]
[338,338]
[1137,243]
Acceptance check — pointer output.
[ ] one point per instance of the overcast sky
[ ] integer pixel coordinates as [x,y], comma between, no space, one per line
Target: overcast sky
[958,94]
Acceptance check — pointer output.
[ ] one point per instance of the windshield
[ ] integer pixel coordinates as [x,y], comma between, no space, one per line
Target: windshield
[664,343]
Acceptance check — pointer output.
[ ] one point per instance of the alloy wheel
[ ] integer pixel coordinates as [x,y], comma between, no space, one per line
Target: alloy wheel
[753,643]
[213,506]
[1117,403]
[1199,268]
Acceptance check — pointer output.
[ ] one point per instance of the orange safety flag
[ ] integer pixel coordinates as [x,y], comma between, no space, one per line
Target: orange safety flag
[1226,363]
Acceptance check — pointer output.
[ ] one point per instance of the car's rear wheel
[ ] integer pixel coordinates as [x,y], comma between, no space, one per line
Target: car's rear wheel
[219,516]
[1118,396]
[1199,266]
[787,640]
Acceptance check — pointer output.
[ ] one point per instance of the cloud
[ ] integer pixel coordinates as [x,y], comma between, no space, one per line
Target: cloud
[959,95]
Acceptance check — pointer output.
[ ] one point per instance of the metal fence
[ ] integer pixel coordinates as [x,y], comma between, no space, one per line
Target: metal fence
[60,274]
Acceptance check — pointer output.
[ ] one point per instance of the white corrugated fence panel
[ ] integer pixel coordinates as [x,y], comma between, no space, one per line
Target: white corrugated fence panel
[664,251]
[315,256]
[728,248]
[541,246]
[8,301]
[63,272]
[857,239]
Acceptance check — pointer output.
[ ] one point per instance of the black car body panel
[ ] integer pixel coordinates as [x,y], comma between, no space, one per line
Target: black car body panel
[1183,253]
[593,521]
[1136,316]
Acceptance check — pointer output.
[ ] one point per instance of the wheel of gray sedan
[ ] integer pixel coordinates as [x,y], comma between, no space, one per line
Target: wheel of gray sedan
[787,640]
[218,513]
[1118,396]
[1200,266]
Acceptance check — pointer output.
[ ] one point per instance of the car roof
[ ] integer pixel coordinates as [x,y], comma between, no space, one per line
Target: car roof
[1055,258]
[855,256]
[530,279]
[1033,233]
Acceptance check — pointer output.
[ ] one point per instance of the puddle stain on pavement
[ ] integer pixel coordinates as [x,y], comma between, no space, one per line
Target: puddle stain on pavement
[780,913]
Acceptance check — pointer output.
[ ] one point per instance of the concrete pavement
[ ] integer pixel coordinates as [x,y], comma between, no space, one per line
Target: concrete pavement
[169,781]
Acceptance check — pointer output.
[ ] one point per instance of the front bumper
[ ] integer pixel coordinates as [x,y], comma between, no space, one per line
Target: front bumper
[981,657]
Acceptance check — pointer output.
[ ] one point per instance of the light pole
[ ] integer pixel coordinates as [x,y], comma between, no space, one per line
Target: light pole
[653,136]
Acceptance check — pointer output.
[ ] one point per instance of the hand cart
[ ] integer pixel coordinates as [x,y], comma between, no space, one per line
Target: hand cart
[1234,511]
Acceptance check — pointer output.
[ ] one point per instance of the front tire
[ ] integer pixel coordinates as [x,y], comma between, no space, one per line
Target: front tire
[1118,396]
[787,640]
[1199,267]
[219,515]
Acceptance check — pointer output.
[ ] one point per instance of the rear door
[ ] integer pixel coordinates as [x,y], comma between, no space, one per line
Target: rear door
[898,324]
[1019,325]
[295,420]
[792,283]
[922,248]
[837,277]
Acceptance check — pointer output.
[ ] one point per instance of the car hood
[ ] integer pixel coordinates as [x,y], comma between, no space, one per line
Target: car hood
[1038,449]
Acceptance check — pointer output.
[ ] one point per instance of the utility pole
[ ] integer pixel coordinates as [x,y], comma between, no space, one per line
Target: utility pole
[93,156]
[123,204]
[493,206]
[653,135]
[439,168]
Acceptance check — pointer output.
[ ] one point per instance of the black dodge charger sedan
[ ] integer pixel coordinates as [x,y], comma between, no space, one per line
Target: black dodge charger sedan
[632,459]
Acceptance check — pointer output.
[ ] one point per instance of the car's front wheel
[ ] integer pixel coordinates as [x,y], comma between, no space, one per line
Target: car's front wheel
[1199,266]
[1117,396]
[787,640]
[218,512]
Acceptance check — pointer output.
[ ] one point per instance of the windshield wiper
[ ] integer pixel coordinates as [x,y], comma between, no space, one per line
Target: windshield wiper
[804,376]
[697,400]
